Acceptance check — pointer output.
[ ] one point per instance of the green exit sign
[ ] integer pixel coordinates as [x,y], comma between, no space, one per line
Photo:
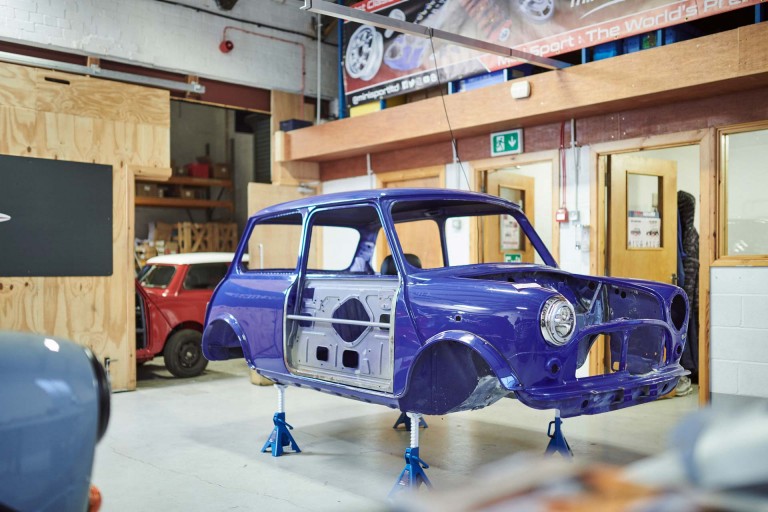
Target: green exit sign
[507,143]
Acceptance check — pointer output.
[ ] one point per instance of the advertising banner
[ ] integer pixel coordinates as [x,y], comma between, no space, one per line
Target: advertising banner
[382,63]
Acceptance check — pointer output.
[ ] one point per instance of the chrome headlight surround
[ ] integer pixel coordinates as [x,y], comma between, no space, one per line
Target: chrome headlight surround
[558,320]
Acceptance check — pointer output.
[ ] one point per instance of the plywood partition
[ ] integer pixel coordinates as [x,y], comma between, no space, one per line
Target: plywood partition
[285,106]
[46,114]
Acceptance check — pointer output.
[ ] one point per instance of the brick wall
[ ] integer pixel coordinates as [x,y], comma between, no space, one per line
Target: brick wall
[175,38]
[739,350]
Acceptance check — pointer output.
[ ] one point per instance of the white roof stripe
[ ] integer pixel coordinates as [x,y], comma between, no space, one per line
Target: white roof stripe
[192,258]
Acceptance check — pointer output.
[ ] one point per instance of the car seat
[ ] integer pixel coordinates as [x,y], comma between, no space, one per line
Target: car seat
[388,265]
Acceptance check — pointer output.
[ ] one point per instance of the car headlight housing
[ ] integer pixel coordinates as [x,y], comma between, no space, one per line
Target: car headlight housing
[558,320]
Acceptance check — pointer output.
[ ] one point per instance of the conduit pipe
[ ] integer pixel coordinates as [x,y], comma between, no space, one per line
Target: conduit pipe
[227,46]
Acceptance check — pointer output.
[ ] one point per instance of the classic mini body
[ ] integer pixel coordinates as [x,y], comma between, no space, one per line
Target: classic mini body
[432,333]
[172,292]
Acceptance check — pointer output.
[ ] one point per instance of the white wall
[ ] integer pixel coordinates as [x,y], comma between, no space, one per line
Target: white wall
[574,234]
[175,38]
[739,344]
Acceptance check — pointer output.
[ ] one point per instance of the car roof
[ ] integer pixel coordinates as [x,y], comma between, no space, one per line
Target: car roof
[191,258]
[356,196]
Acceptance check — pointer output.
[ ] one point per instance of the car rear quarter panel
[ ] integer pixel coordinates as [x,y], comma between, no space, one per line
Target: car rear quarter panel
[255,301]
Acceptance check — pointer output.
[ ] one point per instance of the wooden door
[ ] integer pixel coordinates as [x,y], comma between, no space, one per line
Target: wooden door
[421,238]
[503,240]
[642,218]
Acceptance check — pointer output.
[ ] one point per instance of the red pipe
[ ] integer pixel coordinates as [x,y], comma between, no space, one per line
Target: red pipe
[227,45]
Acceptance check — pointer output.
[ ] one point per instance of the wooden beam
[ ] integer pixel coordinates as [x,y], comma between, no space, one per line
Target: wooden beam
[725,62]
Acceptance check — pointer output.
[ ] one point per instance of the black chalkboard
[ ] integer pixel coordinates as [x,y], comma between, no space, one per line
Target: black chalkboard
[60,218]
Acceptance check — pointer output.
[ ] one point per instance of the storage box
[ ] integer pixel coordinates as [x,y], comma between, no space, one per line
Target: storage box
[163,231]
[222,171]
[147,190]
[199,170]
[187,193]
[294,124]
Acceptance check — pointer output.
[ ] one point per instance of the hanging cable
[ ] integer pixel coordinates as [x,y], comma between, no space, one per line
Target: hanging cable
[454,146]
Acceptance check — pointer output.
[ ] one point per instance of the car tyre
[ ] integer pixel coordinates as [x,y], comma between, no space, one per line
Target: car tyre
[183,354]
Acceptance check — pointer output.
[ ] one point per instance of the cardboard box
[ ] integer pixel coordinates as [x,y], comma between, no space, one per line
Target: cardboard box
[222,172]
[187,193]
[147,190]
[162,231]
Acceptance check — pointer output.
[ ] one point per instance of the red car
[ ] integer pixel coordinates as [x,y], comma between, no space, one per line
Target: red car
[172,292]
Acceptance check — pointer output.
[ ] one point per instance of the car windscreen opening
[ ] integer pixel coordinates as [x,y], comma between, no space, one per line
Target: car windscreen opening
[157,276]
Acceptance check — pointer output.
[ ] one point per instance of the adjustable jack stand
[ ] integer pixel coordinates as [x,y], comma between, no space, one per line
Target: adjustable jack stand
[413,474]
[557,442]
[403,419]
[280,435]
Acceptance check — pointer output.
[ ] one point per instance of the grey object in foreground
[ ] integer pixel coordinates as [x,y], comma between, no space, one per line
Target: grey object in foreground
[54,407]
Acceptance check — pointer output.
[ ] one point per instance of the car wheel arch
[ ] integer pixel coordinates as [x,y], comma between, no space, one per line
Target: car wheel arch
[224,338]
[453,350]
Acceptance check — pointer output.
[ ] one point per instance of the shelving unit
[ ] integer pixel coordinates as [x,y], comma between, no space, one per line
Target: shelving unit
[180,202]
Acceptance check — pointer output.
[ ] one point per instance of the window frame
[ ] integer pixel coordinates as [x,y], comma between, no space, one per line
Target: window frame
[309,222]
[237,262]
[722,258]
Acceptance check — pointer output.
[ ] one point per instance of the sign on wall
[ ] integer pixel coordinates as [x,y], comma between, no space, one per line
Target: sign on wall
[57,218]
[507,143]
[382,63]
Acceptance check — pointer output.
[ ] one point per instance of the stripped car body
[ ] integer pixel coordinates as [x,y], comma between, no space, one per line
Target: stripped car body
[446,339]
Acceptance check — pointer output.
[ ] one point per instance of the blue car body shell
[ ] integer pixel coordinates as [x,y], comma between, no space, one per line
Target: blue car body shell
[463,336]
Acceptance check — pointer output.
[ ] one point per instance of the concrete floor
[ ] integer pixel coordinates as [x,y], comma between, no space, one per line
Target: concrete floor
[194,444]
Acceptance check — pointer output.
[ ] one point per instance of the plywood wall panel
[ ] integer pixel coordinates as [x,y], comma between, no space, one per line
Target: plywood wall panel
[93,121]
[285,106]
[101,99]
[18,88]
[17,130]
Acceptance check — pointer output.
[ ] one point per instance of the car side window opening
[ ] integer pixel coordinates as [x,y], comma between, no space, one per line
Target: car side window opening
[273,244]
[204,276]
[443,232]
[340,329]
[346,241]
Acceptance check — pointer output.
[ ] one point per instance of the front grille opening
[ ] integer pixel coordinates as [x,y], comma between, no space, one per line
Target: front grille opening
[645,351]
[677,311]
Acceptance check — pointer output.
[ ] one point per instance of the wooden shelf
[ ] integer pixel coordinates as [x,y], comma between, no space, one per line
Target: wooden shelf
[192,182]
[177,202]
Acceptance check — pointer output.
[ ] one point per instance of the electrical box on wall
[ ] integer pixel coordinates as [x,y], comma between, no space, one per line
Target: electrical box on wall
[561,215]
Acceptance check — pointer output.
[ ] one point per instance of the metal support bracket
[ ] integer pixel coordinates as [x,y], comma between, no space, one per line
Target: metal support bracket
[385,22]
[557,442]
[280,437]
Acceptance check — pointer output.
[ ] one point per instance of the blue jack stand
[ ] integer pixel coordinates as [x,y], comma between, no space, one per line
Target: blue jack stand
[280,435]
[403,419]
[413,474]
[557,442]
